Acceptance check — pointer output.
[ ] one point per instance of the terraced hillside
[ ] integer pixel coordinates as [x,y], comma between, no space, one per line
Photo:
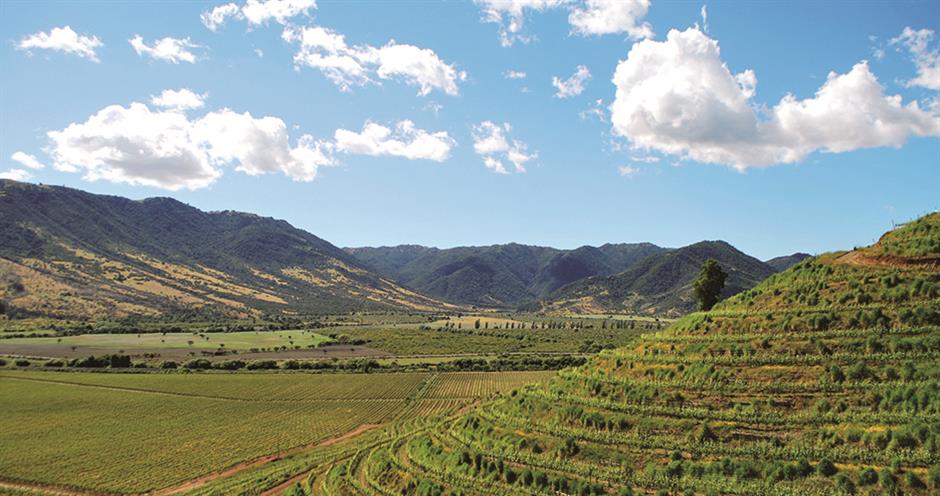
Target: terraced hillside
[69,254]
[822,380]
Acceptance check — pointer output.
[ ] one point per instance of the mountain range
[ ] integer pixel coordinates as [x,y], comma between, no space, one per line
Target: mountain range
[499,275]
[66,253]
[613,278]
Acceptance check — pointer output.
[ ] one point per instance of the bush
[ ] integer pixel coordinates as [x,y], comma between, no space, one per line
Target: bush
[21,363]
[3,363]
[230,365]
[54,363]
[845,484]
[826,468]
[168,364]
[198,364]
[867,477]
[262,365]
[933,476]
[913,481]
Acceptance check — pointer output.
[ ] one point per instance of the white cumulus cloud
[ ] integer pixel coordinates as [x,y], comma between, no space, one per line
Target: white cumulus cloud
[510,16]
[572,86]
[586,17]
[257,12]
[174,50]
[599,17]
[16,175]
[167,149]
[181,99]
[926,58]
[28,160]
[677,97]
[405,140]
[491,141]
[324,49]
[63,39]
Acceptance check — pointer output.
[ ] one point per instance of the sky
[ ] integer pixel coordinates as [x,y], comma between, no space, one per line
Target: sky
[776,126]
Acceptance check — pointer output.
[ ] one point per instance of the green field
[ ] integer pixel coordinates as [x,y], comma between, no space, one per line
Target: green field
[91,430]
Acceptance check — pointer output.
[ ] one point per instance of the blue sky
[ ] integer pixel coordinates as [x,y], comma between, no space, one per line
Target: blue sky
[685,144]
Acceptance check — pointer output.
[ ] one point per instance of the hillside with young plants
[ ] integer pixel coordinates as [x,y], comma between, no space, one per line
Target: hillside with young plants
[65,253]
[821,380]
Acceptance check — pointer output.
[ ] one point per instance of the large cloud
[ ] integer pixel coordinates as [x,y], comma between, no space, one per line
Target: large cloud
[257,12]
[588,17]
[167,149]
[63,39]
[405,141]
[677,97]
[347,66]
[491,142]
[174,50]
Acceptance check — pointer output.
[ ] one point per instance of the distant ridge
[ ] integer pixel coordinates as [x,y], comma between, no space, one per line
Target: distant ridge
[660,284]
[506,275]
[70,254]
[785,262]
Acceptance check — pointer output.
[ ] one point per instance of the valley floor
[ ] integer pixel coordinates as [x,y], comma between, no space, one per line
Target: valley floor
[76,432]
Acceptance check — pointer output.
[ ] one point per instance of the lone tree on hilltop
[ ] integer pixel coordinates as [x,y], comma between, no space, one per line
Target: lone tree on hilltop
[708,286]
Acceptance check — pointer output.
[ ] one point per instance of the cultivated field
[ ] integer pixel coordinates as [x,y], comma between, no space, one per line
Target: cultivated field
[120,432]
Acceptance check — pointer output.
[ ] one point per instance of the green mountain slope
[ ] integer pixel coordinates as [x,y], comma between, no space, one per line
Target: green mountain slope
[70,254]
[821,380]
[499,275]
[659,284]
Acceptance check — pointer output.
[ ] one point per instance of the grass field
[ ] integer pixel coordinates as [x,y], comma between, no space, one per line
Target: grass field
[138,432]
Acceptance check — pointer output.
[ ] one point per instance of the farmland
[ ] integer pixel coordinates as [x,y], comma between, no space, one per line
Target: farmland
[168,428]
[822,380]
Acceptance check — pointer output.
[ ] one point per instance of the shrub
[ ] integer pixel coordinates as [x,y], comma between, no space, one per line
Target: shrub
[198,364]
[21,363]
[886,480]
[54,363]
[826,468]
[844,483]
[230,365]
[262,365]
[913,481]
[933,476]
[867,477]
[168,364]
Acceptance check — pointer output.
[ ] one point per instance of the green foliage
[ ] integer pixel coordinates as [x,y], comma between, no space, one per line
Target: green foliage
[708,285]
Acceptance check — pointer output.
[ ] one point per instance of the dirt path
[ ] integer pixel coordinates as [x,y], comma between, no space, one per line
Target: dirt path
[241,467]
[860,259]
[299,477]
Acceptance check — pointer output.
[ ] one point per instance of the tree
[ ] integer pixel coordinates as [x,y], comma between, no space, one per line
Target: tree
[708,286]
